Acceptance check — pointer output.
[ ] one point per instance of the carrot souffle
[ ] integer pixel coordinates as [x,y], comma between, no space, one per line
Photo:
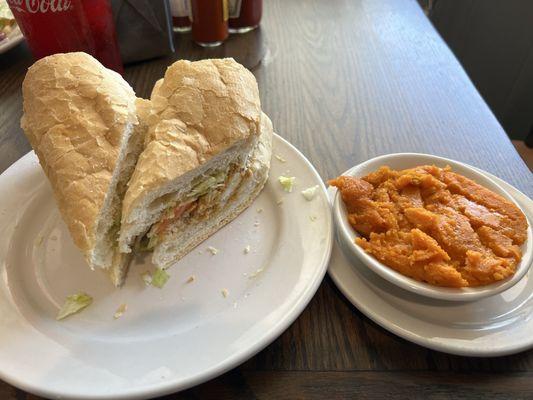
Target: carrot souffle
[434,225]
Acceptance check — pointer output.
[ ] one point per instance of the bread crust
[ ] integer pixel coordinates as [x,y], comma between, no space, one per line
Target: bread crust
[259,168]
[198,110]
[75,115]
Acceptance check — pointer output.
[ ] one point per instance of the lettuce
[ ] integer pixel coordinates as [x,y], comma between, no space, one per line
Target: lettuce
[204,186]
[73,304]
[159,278]
[287,182]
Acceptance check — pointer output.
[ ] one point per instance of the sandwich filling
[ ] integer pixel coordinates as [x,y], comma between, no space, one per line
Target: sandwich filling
[109,225]
[209,193]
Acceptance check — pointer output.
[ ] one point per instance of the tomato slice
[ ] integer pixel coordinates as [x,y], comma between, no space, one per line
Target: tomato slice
[178,211]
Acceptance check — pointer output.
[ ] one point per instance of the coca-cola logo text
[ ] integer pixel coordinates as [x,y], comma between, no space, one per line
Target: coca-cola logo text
[40,6]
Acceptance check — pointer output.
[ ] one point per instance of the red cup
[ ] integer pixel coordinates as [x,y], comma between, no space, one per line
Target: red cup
[102,26]
[62,26]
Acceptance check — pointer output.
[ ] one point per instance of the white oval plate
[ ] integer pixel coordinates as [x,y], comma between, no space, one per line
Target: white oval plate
[494,326]
[14,38]
[168,339]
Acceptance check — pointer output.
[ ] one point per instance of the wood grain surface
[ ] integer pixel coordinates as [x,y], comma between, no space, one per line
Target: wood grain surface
[344,81]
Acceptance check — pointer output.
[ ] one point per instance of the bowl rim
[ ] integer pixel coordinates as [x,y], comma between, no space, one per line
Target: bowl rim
[347,234]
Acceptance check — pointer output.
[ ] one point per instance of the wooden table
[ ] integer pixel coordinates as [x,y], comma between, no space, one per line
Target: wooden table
[344,81]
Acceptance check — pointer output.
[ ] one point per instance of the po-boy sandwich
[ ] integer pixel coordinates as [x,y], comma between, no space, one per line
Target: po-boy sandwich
[206,158]
[156,175]
[81,120]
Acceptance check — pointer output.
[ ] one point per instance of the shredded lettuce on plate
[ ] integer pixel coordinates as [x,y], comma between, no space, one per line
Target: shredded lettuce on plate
[73,304]
[212,250]
[159,278]
[287,182]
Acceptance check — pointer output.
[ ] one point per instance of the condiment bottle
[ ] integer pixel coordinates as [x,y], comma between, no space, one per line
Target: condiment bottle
[209,22]
[245,15]
[180,15]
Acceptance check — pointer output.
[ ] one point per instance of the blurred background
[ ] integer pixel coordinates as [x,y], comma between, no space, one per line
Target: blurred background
[493,40]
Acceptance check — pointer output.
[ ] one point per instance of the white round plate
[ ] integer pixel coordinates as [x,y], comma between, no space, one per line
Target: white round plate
[168,339]
[14,38]
[493,326]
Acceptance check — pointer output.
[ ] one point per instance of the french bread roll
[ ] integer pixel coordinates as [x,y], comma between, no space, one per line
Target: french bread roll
[81,120]
[205,117]
[242,189]
[160,174]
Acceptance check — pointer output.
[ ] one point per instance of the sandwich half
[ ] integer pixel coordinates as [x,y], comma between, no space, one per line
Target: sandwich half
[206,157]
[81,120]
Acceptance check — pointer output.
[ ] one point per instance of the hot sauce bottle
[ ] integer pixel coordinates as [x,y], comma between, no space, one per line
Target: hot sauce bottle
[209,22]
[180,10]
[245,15]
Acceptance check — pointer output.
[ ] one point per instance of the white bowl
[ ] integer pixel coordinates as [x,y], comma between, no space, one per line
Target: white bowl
[347,234]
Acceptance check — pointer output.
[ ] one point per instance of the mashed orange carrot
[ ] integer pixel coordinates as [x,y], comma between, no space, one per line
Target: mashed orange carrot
[434,225]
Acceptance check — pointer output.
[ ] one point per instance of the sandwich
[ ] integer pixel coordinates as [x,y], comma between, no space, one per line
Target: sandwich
[206,157]
[81,120]
[158,175]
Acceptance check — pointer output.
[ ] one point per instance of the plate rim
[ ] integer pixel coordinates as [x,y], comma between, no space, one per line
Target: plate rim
[409,335]
[274,331]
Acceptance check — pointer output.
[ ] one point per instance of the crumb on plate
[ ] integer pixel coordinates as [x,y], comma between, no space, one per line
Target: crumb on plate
[212,250]
[39,240]
[120,311]
[310,193]
[255,273]
[147,278]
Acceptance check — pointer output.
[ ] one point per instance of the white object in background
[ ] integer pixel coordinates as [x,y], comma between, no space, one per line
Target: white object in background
[180,8]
